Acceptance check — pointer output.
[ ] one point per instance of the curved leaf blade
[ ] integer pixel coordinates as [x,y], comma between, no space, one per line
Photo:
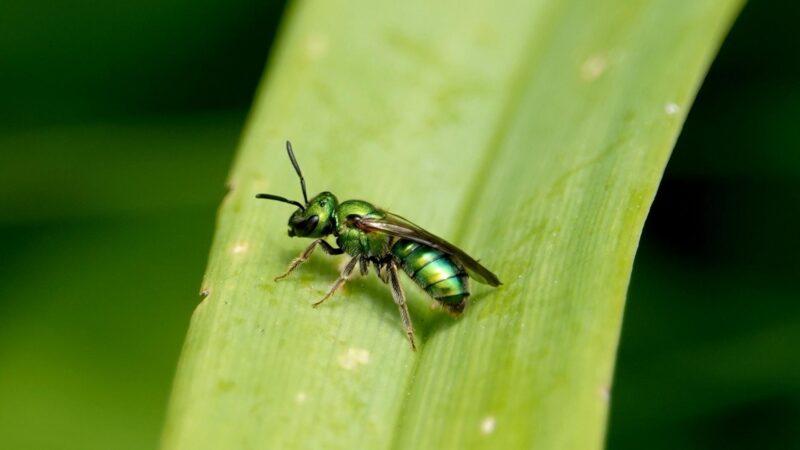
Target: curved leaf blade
[533,134]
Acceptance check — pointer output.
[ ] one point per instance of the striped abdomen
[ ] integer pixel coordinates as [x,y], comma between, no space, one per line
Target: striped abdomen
[434,271]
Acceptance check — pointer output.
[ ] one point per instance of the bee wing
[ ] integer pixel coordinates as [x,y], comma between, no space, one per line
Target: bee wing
[395,225]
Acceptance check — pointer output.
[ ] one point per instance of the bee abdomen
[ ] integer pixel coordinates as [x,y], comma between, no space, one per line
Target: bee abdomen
[435,272]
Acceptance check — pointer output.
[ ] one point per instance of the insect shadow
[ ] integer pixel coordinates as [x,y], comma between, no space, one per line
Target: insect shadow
[430,317]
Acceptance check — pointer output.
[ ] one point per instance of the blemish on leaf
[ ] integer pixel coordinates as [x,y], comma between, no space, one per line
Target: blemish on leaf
[240,247]
[487,425]
[605,393]
[204,292]
[593,67]
[300,398]
[225,385]
[316,45]
[353,358]
[671,108]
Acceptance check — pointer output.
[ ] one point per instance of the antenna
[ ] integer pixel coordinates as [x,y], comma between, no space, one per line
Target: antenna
[281,199]
[297,169]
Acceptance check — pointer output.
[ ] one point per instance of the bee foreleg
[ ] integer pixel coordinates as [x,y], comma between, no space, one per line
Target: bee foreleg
[327,248]
[364,266]
[348,269]
[400,300]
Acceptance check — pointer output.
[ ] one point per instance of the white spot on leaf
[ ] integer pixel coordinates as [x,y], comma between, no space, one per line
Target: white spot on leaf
[353,358]
[240,247]
[487,425]
[300,398]
[671,108]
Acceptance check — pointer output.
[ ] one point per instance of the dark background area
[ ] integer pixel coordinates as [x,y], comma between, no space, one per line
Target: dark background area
[710,350]
[118,126]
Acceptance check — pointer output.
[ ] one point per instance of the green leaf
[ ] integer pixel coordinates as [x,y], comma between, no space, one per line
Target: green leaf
[531,134]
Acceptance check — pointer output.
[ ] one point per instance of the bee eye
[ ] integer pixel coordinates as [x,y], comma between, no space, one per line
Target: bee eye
[303,227]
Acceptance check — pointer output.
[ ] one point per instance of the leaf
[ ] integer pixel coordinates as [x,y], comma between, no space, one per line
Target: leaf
[531,134]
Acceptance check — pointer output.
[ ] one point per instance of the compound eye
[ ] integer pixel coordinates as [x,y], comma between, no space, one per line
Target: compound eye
[304,227]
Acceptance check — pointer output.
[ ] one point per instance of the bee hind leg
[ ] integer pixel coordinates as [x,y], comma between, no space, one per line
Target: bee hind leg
[345,275]
[400,299]
[327,248]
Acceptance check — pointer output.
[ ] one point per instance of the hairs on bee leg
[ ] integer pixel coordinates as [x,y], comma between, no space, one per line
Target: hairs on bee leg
[400,299]
[327,248]
[348,269]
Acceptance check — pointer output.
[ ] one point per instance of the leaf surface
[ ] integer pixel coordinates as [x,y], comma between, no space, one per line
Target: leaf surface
[532,134]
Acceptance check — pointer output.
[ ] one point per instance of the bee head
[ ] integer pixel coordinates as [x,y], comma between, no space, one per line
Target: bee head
[315,218]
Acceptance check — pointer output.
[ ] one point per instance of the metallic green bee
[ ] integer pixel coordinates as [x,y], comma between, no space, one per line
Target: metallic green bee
[372,235]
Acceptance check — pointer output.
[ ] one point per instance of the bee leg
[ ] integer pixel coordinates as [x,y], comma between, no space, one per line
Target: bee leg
[327,248]
[364,266]
[348,269]
[383,275]
[400,300]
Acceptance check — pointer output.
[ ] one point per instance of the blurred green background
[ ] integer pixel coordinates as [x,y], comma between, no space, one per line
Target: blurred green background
[119,123]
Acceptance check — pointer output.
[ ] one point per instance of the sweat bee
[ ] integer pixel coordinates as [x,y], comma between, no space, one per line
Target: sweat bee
[371,235]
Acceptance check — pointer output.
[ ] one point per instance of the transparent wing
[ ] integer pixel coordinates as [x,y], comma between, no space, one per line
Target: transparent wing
[398,226]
